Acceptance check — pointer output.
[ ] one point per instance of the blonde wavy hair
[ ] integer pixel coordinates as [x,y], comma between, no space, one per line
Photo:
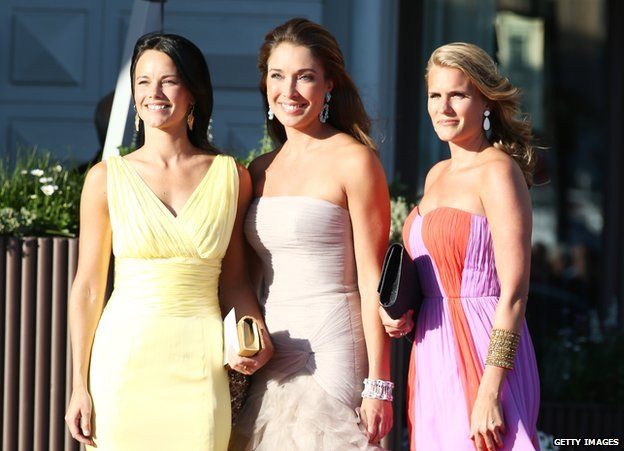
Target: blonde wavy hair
[510,128]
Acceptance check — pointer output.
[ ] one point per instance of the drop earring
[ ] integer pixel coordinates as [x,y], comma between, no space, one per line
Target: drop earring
[137,119]
[324,115]
[486,124]
[190,119]
[270,114]
[209,131]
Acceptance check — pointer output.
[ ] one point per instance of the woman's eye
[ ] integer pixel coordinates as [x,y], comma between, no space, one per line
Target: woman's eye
[276,76]
[434,96]
[306,77]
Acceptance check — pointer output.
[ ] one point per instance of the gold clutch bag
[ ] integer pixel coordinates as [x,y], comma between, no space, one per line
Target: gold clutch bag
[249,338]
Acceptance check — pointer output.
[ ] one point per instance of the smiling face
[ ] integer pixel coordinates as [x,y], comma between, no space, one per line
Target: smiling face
[296,86]
[161,98]
[455,106]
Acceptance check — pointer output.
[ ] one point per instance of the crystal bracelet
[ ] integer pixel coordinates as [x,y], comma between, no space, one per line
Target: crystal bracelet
[378,389]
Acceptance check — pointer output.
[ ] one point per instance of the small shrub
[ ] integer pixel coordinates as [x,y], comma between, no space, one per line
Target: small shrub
[39,197]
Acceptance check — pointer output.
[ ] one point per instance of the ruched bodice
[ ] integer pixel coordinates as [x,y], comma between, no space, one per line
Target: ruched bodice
[170,263]
[156,376]
[465,259]
[304,398]
[302,242]
[310,296]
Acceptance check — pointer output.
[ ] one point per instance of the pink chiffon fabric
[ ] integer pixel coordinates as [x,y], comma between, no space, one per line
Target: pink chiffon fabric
[453,251]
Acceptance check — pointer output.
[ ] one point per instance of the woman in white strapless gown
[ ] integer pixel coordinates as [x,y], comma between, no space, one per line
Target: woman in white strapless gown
[319,225]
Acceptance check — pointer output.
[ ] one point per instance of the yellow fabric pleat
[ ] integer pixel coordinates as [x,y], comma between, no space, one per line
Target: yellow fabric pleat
[156,375]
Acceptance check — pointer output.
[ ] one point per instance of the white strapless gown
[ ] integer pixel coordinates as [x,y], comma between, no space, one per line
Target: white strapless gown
[305,397]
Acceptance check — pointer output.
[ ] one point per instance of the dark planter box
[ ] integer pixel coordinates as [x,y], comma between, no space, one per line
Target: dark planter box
[35,279]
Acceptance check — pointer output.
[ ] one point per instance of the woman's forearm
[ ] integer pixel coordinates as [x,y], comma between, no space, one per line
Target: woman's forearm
[243,300]
[377,341]
[509,316]
[85,308]
[510,311]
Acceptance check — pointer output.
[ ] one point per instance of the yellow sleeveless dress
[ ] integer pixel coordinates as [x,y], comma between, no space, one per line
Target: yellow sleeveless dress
[156,376]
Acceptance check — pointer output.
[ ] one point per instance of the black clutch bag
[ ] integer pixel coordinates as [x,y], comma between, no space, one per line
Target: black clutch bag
[399,289]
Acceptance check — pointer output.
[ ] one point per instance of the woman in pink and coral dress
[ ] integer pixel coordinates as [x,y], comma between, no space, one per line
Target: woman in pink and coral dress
[473,379]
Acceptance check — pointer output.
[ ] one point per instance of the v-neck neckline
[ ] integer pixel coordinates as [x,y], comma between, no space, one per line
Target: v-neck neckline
[173,215]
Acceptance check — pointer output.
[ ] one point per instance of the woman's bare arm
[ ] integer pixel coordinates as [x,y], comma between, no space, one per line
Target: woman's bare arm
[87,294]
[369,207]
[235,290]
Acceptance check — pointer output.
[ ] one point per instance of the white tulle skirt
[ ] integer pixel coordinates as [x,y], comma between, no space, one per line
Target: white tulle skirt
[296,414]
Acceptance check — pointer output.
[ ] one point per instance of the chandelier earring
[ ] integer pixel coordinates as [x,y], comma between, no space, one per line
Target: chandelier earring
[190,119]
[324,115]
[487,127]
[270,114]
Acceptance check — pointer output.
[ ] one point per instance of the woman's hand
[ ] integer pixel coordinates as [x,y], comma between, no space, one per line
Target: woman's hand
[487,425]
[78,416]
[249,365]
[376,417]
[397,328]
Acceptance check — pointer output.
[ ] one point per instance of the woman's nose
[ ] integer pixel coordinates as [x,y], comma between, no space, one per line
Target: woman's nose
[446,105]
[290,87]
[155,90]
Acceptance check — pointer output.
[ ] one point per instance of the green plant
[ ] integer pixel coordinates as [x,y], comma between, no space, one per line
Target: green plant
[264,145]
[125,150]
[38,197]
[399,210]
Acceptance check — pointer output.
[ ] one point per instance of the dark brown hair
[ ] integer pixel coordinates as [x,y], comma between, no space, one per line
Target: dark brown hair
[194,74]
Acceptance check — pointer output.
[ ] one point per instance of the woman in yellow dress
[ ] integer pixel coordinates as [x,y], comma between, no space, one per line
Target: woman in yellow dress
[148,370]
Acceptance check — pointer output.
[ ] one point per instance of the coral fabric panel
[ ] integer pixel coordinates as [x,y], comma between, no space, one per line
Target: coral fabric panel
[448,251]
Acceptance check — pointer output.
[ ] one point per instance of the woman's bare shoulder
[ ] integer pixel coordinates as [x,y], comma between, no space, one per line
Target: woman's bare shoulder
[261,163]
[97,173]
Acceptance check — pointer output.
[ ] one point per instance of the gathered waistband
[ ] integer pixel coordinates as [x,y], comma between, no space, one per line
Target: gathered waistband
[176,286]
[463,298]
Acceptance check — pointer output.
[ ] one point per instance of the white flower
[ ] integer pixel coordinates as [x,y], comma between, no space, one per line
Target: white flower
[48,190]
[37,172]
[23,172]
[45,179]
[33,196]
[57,168]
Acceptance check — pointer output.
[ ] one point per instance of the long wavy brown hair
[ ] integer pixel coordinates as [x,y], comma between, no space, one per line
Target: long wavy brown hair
[346,111]
[511,129]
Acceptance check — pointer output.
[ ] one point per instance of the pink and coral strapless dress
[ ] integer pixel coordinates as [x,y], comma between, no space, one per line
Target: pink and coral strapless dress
[455,259]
